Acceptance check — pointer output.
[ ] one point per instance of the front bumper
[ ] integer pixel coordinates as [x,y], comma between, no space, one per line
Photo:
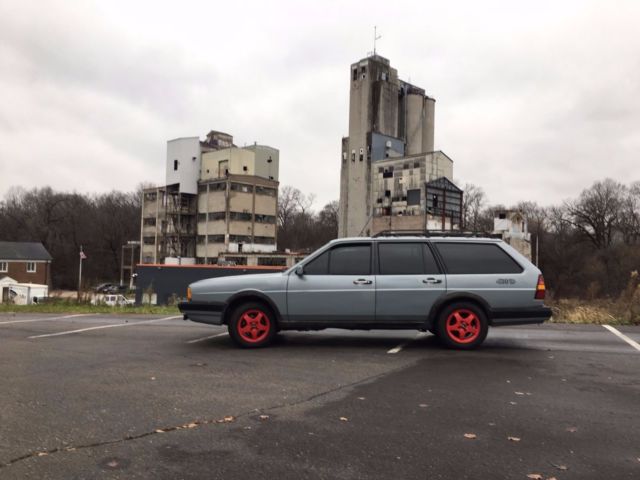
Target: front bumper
[203,312]
[519,316]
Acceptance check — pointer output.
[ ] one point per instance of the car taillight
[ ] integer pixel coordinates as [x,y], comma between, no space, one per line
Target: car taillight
[189,294]
[540,288]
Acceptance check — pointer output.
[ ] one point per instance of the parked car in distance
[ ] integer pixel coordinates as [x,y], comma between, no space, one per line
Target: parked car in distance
[113,300]
[453,286]
[116,289]
[102,288]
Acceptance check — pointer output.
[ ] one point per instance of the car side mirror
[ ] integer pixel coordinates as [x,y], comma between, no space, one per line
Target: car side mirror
[299,271]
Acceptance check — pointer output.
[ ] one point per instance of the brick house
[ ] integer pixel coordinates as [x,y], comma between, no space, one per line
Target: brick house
[25,262]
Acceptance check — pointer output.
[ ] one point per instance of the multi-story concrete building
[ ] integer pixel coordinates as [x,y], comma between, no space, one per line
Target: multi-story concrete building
[388,159]
[218,198]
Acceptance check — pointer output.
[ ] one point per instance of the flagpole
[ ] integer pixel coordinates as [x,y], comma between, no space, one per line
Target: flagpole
[80,274]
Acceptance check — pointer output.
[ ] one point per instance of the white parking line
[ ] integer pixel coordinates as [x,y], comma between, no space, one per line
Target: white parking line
[621,335]
[402,345]
[47,318]
[69,332]
[196,340]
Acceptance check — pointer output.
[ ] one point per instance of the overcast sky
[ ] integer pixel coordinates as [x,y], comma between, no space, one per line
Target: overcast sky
[534,100]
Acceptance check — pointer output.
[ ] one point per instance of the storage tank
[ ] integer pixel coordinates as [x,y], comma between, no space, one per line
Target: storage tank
[428,123]
[415,102]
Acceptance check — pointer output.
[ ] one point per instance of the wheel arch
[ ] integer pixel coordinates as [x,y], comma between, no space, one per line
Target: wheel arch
[447,300]
[249,296]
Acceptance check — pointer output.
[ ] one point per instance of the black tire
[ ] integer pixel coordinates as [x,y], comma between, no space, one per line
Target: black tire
[461,326]
[252,325]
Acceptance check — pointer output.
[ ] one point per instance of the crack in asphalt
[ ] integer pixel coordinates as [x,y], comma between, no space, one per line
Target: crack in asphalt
[195,424]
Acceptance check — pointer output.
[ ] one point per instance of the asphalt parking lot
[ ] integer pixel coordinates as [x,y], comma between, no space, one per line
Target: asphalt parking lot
[100,396]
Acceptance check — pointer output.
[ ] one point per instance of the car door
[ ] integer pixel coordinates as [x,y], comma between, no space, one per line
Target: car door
[337,287]
[408,282]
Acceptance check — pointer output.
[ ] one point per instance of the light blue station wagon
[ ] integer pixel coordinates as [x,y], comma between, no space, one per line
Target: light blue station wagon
[453,286]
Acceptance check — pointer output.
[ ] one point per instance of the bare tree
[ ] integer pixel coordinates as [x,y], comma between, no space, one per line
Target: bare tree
[597,212]
[473,201]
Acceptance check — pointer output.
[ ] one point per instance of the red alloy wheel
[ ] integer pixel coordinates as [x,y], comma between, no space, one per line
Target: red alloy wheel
[463,326]
[253,326]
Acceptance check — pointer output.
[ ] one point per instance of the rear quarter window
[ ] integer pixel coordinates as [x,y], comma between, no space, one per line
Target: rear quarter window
[476,258]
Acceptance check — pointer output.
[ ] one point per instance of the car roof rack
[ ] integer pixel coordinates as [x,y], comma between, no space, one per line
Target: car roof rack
[435,233]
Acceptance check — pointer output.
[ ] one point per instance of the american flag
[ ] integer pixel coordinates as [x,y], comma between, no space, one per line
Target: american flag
[82,255]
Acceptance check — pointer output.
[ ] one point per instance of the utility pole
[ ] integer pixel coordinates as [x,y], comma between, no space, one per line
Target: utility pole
[82,256]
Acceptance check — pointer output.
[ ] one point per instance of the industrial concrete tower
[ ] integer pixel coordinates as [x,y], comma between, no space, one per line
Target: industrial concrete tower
[391,123]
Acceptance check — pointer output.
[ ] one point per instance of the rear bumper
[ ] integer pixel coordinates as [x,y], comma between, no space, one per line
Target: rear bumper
[203,312]
[519,316]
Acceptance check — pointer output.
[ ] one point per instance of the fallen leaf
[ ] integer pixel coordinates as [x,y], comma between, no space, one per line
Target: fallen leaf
[360,398]
[528,393]
[561,467]
[159,430]
[572,429]
[492,424]
[112,464]
[552,478]
[513,403]
[423,405]
[229,418]
[534,476]
[42,454]
[519,393]
[344,419]
[264,417]
[470,436]
[192,425]
[514,439]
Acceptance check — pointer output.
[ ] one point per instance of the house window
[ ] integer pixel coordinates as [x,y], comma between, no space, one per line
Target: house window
[175,165]
[31,267]
[4,267]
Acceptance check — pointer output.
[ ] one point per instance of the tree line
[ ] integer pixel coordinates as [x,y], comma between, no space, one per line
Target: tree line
[63,222]
[588,246]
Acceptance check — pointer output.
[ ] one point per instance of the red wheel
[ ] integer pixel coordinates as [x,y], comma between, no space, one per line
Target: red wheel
[462,325]
[252,325]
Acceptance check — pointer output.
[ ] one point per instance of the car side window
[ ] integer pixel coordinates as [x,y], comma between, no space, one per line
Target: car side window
[476,258]
[318,266]
[401,258]
[430,264]
[350,260]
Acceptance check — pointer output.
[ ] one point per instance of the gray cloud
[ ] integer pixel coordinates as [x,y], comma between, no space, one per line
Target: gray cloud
[533,103]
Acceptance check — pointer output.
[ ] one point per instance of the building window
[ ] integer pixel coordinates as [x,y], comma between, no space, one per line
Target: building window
[271,192]
[240,238]
[361,154]
[202,188]
[215,239]
[238,187]
[217,216]
[150,196]
[175,165]
[265,219]
[31,267]
[149,222]
[265,240]
[272,261]
[202,217]
[149,240]
[242,216]
[201,239]
[355,74]
[4,267]
[353,155]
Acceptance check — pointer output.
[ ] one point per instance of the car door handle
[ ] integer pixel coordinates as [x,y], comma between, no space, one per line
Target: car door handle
[431,280]
[362,281]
